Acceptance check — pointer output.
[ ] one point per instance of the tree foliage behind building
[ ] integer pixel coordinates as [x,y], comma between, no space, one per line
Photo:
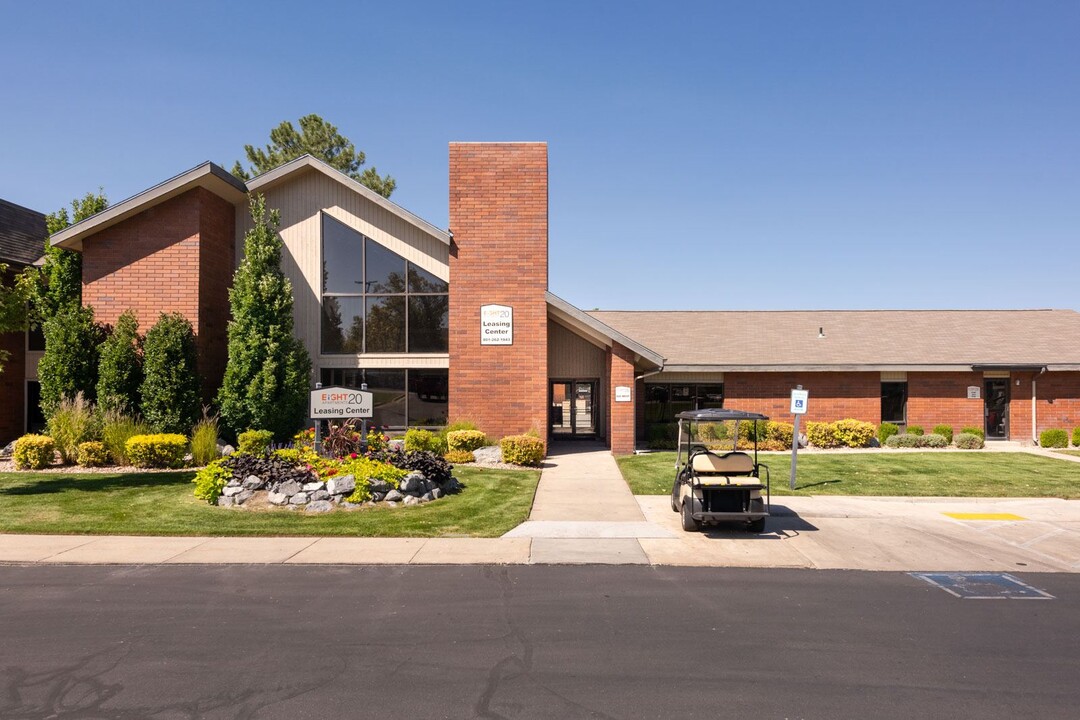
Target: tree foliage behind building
[320,139]
[267,375]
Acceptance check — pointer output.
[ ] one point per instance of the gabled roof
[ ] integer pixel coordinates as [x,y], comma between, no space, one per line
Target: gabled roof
[208,175]
[597,331]
[307,162]
[701,341]
[22,234]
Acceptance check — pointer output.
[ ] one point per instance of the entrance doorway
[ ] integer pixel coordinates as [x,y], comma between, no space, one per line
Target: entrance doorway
[573,409]
[996,409]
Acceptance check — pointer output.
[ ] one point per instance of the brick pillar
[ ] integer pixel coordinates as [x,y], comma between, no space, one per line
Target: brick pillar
[499,217]
[621,373]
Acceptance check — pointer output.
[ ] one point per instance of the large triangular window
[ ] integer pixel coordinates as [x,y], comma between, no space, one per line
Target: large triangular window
[375,301]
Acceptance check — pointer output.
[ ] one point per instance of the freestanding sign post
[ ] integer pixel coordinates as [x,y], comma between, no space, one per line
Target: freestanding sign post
[338,402]
[799,400]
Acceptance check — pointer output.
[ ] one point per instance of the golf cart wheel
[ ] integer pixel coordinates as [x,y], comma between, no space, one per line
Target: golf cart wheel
[689,524]
[756,526]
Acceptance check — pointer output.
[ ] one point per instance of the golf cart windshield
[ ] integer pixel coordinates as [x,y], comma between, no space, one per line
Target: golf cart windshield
[691,423]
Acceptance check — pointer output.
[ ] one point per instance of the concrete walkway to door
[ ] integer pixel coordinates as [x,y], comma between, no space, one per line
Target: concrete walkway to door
[582,496]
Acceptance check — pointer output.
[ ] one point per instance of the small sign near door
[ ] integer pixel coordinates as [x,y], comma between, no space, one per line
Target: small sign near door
[974,392]
[622,393]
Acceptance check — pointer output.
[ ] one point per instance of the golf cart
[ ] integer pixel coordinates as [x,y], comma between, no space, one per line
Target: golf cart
[713,487]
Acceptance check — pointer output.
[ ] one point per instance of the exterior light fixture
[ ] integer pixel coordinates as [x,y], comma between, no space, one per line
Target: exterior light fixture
[821,333]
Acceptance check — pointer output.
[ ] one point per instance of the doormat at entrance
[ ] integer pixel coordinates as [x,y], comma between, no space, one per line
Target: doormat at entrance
[984,586]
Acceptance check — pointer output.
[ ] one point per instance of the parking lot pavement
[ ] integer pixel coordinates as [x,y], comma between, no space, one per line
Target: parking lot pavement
[862,533]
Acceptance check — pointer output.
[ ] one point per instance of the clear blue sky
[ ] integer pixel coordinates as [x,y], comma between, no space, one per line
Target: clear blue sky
[751,155]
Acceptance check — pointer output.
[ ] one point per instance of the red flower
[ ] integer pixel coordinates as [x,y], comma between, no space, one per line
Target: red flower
[352,456]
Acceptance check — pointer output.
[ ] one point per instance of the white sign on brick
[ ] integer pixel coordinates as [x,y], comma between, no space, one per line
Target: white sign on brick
[496,325]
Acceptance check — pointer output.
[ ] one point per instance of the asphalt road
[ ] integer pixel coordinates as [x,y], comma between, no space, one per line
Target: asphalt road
[526,642]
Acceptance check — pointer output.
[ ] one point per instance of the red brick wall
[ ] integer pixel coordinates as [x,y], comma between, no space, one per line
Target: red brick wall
[12,387]
[833,396]
[936,398]
[621,414]
[174,257]
[1057,403]
[499,217]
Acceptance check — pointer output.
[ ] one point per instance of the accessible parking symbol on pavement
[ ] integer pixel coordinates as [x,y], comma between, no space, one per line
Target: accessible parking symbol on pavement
[983,586]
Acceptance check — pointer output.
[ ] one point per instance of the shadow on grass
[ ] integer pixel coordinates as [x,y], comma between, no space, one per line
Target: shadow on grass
[34,484]
[817,484]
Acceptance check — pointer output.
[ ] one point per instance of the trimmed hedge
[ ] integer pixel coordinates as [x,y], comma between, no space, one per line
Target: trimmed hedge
[973,430]
[907,440]
[163,450]
[425,440]
[933,440]
[34,452]
[522,450]
[915,430]
[467,440]
[1076,436]
[1054,438]
[255,442]
[945,431]
[92,454]
[885,431]
[458,457]
[780,432]
[853,433]
[822,435]
[969,441]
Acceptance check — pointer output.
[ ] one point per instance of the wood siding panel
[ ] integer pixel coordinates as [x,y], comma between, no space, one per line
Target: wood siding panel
[571,356]
[301,202]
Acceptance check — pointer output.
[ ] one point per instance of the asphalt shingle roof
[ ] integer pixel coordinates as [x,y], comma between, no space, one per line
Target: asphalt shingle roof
[875,337]
[22,234]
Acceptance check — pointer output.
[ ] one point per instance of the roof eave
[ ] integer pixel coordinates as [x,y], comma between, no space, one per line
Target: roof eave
[583,321]
[208,175]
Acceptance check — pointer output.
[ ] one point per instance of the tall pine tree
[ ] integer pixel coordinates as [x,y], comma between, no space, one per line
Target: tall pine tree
[268,373]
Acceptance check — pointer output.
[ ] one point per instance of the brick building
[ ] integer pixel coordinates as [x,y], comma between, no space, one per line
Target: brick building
[459,323]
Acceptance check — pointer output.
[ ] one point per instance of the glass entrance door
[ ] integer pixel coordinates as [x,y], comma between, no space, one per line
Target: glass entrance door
[573,408]
[996,409]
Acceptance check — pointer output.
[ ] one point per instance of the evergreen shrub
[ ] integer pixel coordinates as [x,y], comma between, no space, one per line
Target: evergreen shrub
[170,387]
[946,431]
[973,430]
[969,441]
[70,363]
[822,434]
[92,454]
[162,450]
[34,452]
[255,442]
[425,440]
[457,457]
[1054,438]
[120,371]
[522,450]
[853,433]
[885,431]
[467,440]
[915,430]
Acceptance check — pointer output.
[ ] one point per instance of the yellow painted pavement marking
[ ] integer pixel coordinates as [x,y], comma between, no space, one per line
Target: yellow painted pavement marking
[983,516]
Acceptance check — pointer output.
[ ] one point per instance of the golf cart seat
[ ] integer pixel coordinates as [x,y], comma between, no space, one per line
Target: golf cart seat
[733,468]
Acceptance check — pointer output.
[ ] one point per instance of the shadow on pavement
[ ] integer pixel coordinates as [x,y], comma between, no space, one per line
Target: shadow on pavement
[782,523]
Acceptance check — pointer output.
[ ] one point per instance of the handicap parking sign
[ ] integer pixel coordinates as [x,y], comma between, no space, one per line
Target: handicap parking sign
[799,400]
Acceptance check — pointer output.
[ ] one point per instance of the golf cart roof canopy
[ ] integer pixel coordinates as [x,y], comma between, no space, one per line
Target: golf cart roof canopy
[719,415]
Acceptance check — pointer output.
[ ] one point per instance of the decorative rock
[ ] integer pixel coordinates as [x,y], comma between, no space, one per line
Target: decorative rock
[412,482]
[243,497]
[298,499]
[277,498]
[426,497]
[451,486]
[344,485]
[253,482]
[412,500]
[8,450]
[289,488]
[393,496]
[227,450]
[391,503]
[235,482]
[377,496]
[488,455]
[312,487]
[379,486]
[436,494]
[319,506]
[232,490]
[349,506]
[320,495]
[223,501]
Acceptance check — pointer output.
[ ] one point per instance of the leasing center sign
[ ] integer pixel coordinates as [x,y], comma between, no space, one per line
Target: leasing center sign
[496,325]
[339,402]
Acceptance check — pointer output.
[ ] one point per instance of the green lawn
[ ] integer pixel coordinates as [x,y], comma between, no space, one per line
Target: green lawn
[912,474]
[493,502]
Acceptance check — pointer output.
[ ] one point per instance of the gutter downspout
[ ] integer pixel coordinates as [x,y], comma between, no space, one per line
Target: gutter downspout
[1034,409]
[645,375]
